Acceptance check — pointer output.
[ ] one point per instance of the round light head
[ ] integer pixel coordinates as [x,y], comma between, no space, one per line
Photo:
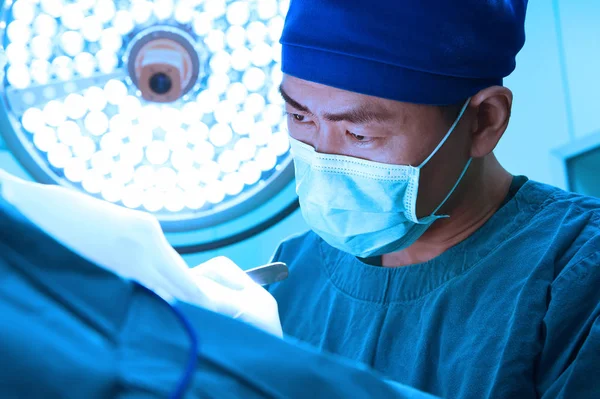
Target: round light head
[162,106]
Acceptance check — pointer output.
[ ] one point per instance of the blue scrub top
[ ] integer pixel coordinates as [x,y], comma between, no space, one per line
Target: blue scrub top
[510,312]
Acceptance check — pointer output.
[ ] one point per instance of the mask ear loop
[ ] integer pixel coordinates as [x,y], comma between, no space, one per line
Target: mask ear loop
[453,188]
[462,111]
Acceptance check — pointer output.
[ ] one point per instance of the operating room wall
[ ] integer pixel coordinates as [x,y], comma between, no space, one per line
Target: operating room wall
[556,101]
[555,87]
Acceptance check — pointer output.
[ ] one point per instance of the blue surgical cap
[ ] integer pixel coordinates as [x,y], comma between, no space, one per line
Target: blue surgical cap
[435,52]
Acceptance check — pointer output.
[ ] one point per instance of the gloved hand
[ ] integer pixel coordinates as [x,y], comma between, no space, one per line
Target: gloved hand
[233,293]
[128,243]
[131,244]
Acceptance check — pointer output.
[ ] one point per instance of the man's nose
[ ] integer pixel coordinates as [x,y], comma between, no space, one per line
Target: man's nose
[328,140]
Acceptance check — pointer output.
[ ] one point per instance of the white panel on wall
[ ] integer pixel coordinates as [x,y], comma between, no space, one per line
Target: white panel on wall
[580,23]
[539,119]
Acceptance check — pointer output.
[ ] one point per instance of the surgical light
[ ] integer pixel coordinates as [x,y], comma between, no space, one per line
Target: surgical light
[45,25]
[63,67]
[72,17]
[59,155]
[165,106]
[184,13]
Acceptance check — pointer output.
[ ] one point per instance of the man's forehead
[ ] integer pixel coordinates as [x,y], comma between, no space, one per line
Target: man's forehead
[318,97]
[301,87]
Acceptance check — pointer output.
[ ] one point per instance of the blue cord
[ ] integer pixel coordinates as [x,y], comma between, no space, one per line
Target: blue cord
[185,380]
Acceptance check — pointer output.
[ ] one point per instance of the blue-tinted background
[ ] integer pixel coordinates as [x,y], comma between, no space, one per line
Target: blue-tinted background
[555,125]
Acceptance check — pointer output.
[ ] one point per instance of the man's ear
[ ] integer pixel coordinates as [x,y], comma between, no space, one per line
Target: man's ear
[492,108]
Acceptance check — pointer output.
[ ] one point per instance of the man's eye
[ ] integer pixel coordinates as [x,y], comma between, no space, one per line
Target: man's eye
[298,117]
[356,137]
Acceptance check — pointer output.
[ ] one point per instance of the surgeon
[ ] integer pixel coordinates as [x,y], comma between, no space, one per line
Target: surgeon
[426,259]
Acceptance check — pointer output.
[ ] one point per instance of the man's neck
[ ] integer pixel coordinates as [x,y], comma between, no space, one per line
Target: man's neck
[480,198]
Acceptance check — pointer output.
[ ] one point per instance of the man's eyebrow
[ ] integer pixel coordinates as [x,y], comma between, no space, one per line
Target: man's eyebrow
[293,102]
[360,115]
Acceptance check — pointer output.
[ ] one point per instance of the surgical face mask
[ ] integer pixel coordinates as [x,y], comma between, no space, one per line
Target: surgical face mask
[362,207]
